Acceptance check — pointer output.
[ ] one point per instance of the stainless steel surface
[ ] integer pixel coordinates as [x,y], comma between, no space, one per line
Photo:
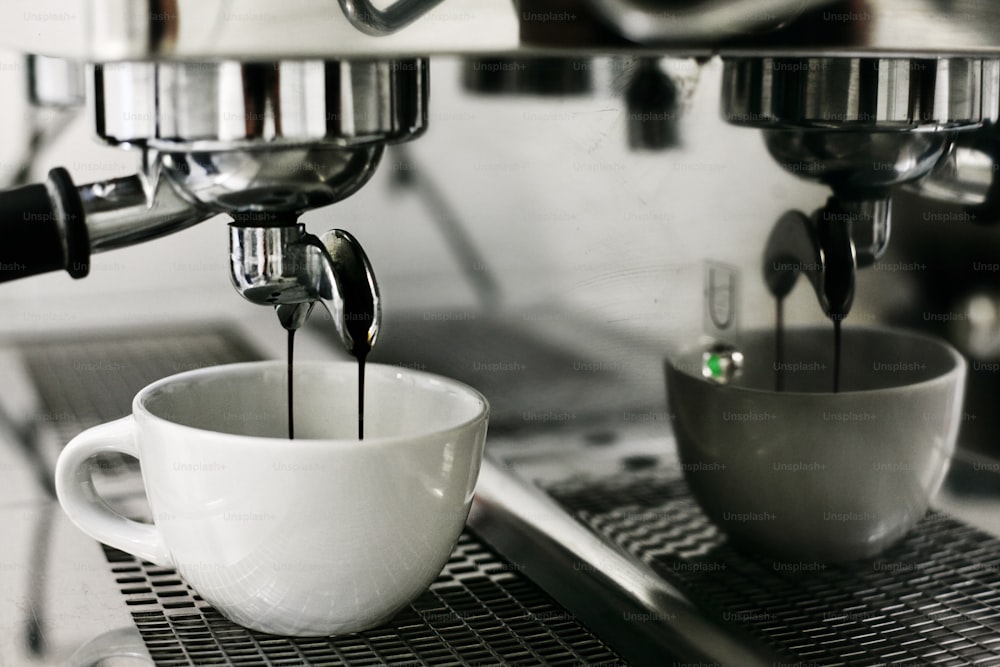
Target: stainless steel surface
[114,30]
[235,137]
[185,107]
[871,223]
[533,532]
[133,209]
[55,82]
[286,266]
[861,93]
[858,164]
[541,368]
[281,179]
[705,20]
[117,30]
[967,174]
[889,27]
[238,136]
[277,138]
[863,613]
[964,176]
[478,611]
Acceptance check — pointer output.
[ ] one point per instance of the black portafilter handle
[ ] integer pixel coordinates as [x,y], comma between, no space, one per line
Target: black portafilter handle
[43,228]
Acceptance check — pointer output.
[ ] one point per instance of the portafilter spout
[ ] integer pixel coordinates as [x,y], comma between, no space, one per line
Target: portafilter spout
[820,248]
[862,126]
[851,231]
[286,267]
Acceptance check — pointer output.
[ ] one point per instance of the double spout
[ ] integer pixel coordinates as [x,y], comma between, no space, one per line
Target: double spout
[286,267]
[827,248]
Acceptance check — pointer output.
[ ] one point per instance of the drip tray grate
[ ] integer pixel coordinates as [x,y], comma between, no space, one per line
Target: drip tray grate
[933,599]
[479,611]
[90,379]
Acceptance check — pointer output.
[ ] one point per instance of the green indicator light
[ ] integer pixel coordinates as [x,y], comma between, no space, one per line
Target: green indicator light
[714,364]
[721,363]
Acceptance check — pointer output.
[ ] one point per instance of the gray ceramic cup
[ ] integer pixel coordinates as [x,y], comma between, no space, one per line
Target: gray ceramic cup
[808,474]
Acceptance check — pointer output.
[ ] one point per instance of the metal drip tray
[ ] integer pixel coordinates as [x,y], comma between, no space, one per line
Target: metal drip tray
[86,380]
[533,373]
[933,599]
[478,612]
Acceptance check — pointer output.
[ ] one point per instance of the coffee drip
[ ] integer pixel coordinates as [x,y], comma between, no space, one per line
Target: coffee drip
[331,269]
[779,344]
[291,384]
[360,353]
[358,327]
[822,249]
[836,353]
[779,347]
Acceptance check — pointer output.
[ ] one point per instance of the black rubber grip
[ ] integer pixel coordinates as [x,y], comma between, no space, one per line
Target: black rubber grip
[42,228]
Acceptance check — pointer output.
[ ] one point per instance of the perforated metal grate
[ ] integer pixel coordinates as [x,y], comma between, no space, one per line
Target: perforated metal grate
[86,380]
[933,599]
[480,611]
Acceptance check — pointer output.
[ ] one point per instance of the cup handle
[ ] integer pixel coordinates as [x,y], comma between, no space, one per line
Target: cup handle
[90,513]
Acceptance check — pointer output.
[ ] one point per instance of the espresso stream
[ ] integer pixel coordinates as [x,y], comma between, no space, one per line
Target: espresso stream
[360,350]
[779,348]
[291,392]
[836,354]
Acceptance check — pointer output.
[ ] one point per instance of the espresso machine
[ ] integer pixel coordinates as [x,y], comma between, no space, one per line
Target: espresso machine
[591,184]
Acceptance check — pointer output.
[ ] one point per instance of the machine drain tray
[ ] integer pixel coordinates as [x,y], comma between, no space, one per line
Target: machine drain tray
[478,612]
[932,599]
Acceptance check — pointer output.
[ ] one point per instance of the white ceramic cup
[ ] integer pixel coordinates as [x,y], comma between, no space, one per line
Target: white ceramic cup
[810,474]
[320,535]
